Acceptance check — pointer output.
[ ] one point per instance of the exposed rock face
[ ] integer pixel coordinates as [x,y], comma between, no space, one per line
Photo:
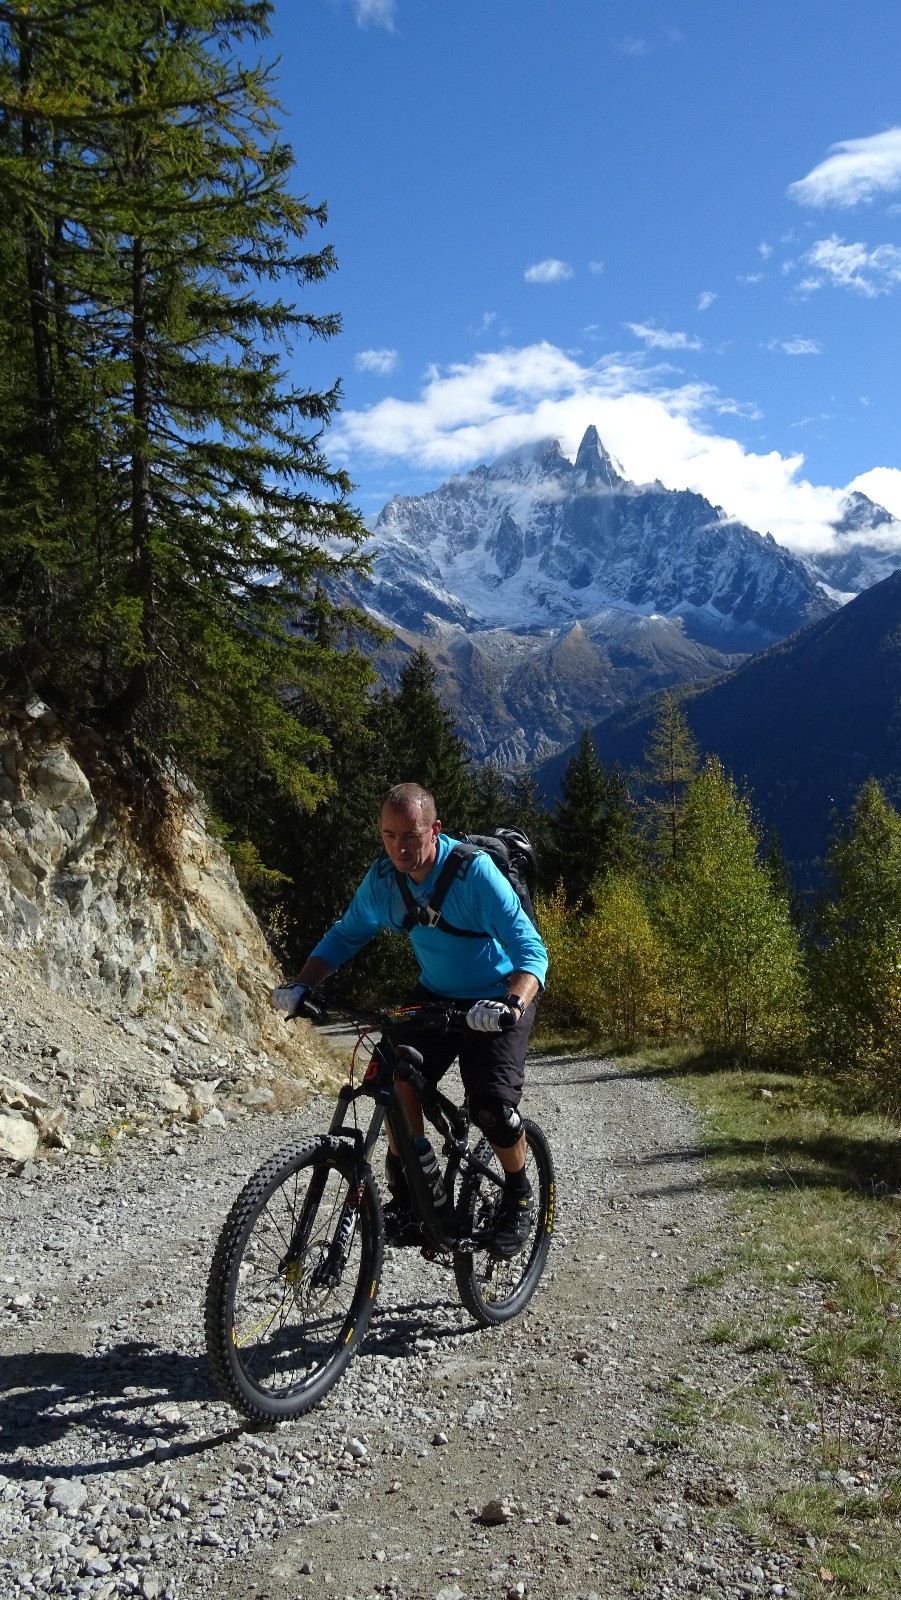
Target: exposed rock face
[98,921]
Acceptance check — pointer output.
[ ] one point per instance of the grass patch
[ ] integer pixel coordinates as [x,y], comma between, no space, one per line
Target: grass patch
[817,1197]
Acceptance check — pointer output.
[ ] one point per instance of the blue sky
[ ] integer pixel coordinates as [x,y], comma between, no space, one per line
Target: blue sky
[677,219]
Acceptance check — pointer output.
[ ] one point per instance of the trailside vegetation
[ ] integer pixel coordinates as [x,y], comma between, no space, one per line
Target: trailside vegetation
[167,515]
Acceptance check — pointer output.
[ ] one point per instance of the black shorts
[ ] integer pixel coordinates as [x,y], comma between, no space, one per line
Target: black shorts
[490,1063]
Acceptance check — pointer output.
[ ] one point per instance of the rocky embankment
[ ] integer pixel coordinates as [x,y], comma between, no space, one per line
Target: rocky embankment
[165,950]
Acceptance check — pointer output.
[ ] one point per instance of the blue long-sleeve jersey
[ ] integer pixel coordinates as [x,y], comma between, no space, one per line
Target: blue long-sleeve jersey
[479,898]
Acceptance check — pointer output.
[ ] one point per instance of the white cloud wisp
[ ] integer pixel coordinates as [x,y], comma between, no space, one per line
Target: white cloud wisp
[853,266]
[380,361]
[796,347]
[659,339]
[854,172]
[475,411]
[549,271]
[375,14]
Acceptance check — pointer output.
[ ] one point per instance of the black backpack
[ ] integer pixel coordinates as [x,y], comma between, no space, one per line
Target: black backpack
[510,851]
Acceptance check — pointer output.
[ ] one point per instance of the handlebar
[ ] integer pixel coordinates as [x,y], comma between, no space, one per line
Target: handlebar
[446,1019]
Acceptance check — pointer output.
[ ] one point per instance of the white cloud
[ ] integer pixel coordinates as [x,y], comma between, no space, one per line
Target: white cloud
[595,266]
[854,171]
[549,271]
[796,347]
[485,322]
[853,266]
[375,14]
[765,250]
[659,339]
[751,277]
[706,300]
[633,47]
[380,361]
[474,411]
[882,484]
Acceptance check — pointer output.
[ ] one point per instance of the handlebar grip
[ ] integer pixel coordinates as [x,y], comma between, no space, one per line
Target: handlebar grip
[309,1009]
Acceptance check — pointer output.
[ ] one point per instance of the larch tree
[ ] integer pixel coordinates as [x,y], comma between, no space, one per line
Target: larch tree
[734,955]
[856,954]
[671,765]
[166,526]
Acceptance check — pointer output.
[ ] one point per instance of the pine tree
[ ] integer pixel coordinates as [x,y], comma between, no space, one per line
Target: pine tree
[591,830]
[671,765]
[492,803]
[422,747]
[168,519]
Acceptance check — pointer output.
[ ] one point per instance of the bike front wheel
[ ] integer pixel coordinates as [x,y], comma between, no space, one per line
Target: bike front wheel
[493,1289]
[293,1280]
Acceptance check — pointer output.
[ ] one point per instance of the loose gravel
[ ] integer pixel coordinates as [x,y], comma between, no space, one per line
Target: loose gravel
[451,1462]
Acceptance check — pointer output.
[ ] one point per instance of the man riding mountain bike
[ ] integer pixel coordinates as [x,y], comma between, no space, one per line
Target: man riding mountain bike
[481,952]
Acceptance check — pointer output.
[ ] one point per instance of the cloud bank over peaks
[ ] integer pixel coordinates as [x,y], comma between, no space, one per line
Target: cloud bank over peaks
[854,172]
[475,411]
[882,484]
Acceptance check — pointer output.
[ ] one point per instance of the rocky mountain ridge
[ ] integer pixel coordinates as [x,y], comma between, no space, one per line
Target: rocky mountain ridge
[550,593]
[537,541]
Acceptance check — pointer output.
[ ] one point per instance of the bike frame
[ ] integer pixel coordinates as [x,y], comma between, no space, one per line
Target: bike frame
[389,1063]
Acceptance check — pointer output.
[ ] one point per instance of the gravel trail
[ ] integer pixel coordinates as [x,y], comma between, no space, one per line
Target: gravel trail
[450,1463]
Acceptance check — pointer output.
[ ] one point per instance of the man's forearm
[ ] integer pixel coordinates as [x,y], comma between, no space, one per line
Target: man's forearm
[525,984]
[314,971]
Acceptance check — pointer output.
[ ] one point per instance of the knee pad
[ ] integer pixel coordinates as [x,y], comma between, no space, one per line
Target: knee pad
[501,1123]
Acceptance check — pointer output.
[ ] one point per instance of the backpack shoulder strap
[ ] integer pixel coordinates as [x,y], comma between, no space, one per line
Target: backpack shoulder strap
[458,860]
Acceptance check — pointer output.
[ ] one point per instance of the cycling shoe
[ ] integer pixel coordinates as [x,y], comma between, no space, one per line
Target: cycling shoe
[513,1225]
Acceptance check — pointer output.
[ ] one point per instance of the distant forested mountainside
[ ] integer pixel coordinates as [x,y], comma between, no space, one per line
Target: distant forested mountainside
[549,592]
[803,724]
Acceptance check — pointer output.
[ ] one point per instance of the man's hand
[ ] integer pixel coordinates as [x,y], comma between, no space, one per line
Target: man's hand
[292,999]
[491,1016]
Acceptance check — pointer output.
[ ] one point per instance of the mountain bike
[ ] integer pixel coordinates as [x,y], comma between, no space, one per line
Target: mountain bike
[296,1269]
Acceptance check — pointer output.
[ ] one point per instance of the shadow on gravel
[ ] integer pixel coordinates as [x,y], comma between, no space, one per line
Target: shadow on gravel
[410,1330]
[55,1390]
[868,1167]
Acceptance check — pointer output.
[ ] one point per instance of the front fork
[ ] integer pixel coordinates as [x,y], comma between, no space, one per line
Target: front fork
[327,1274]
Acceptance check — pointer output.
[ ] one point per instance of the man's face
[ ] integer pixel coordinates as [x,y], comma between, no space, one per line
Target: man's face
[409,842]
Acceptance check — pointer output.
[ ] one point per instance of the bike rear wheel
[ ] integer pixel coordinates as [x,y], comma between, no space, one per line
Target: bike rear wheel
[289,1296]
[495,1290]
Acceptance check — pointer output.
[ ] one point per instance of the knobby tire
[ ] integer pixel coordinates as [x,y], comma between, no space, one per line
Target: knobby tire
[277,1340]
[492,1289]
